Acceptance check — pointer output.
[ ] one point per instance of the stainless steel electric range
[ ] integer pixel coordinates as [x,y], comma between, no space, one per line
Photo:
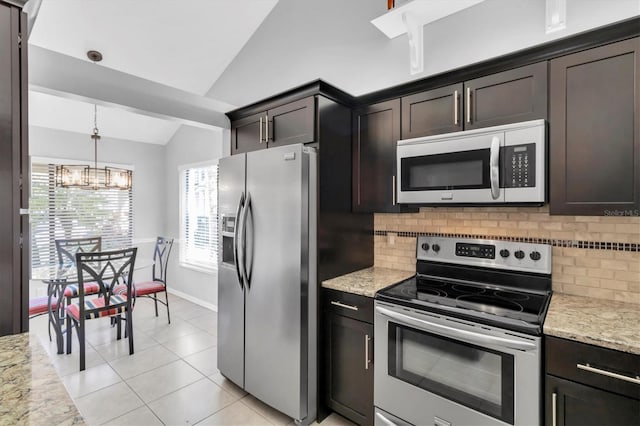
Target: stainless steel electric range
[460,343]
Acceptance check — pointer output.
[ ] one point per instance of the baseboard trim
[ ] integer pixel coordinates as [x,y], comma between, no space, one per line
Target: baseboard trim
[192,299]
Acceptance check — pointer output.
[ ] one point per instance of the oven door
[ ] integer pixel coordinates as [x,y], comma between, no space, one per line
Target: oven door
[431,369]
[451,169]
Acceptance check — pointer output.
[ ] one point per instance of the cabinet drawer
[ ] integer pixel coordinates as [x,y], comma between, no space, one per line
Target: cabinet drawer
[348,304]
[589,364]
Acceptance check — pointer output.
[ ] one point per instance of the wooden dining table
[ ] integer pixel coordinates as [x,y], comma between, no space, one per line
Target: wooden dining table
[57,277]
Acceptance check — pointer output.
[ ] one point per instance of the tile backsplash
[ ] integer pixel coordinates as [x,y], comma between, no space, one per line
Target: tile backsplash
[593,256]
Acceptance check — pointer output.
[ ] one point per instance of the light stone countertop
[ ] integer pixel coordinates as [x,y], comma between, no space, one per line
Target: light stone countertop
[366,282]
[605,323]
[31,391]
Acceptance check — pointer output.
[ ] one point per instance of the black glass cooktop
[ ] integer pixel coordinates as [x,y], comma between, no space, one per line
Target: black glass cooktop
[507,307]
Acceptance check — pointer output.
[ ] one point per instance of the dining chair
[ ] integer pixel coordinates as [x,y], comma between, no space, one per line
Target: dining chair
[66,250]
[40,306]
[110,270]
[158,283]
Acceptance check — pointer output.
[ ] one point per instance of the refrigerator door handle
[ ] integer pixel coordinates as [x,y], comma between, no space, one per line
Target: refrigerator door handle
[235,240]
[245,211]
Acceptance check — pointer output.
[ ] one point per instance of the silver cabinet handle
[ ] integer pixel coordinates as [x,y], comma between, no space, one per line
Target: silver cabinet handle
[468,104]
[342,305]
[455,107]
[366,351]
[554,409]
[495,167]
[611,374]
[266,128]
[455,333]
[260,129]
[393,189]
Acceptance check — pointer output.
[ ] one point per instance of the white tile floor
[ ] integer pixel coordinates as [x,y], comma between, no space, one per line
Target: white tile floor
[171,379]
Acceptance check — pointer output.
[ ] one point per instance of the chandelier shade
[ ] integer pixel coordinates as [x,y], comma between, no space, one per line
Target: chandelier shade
[88,177]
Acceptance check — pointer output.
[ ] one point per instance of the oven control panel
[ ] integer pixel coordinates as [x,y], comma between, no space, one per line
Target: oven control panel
[509,255]
[484,251]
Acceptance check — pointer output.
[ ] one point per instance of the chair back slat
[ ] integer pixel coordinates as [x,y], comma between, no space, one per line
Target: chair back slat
[67,248]
[108,269]
[161,258]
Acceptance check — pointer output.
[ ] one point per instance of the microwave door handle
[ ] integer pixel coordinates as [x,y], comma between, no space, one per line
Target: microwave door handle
[455,333]
[494,167]
[235,239]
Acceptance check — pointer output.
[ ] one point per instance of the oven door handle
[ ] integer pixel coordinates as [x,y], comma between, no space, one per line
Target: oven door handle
[455,333]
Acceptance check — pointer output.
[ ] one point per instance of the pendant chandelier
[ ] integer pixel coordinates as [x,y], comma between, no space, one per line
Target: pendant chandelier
[87,177]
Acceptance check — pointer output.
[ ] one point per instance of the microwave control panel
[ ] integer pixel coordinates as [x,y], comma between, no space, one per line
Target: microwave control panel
[519,165]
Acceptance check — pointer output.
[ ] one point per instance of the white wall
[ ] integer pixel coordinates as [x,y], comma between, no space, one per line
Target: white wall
[148,176]
[303,40]
[189,145]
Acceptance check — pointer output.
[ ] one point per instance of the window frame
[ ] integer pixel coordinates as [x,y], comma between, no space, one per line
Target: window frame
[213,269]
[48,161]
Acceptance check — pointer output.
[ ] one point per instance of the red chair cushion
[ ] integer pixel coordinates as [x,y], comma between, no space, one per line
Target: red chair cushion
[74,309]
[89,288]
[150,287]
[40,305]
[142,289]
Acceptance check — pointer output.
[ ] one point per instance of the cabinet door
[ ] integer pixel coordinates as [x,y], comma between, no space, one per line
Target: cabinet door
[248,134]
[292,123]
[432,112]
[349,354]
[375,134]
[594,131]
[507,97]
[580,405]
[14,166]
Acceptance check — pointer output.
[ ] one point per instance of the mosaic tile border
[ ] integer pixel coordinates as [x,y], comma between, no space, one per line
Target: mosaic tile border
[594,245]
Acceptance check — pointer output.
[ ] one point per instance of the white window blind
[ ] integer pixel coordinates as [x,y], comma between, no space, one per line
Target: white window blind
[199,217]
[64,213]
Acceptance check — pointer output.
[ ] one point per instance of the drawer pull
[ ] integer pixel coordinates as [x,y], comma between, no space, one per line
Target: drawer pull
[591,369]
[342,305]
[554,409]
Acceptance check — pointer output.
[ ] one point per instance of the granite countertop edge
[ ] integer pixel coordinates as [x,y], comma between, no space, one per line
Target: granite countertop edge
[604,323]
[366,282]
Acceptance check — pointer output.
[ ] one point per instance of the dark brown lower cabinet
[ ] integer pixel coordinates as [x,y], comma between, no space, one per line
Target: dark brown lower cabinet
[574,404]
[590,385]
[349,355]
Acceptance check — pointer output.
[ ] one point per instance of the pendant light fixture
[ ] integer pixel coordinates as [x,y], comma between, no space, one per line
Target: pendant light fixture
[87,177]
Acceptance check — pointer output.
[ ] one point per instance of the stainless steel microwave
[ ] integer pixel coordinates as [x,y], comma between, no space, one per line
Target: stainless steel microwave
[501,164]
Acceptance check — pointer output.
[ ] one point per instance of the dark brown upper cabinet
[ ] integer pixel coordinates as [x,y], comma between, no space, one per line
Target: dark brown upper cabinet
[595,132]
[247,134]
[376,130]
[511,96]
[507,97]
[286,124]
[432,112]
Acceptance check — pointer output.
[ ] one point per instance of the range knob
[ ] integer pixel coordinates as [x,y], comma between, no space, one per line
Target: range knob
[519,254]
[425,246]
[435,248]
[534,255]
[504,253]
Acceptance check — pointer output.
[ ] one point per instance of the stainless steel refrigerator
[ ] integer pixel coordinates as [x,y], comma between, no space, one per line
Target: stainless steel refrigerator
[267,290]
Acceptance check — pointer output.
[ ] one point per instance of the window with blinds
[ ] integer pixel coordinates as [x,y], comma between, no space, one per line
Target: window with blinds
[63,213]
[199,217]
